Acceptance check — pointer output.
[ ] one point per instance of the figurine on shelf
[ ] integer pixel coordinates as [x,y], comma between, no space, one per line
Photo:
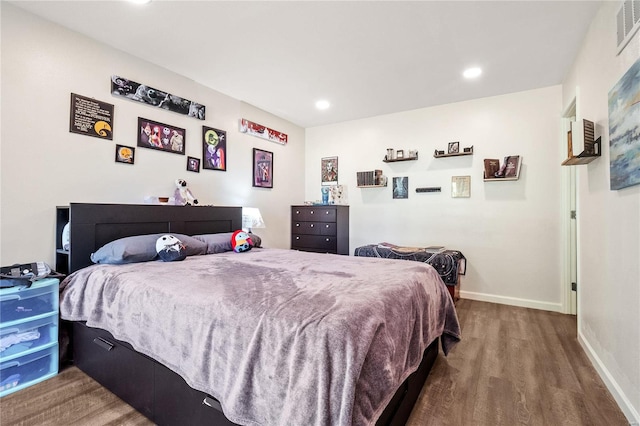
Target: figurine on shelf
[183,195]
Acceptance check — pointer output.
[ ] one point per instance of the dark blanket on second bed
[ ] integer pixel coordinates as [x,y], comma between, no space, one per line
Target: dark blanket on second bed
[448,263]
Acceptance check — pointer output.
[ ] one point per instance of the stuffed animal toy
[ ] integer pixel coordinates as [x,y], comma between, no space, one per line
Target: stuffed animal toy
[183,195]
[169,248]
[241,241]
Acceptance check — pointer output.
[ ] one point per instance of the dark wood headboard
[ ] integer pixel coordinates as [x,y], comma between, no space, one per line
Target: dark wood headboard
[94,225]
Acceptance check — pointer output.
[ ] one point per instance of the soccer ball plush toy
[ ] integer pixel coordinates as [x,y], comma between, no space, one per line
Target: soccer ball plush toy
[169,248]
[241,241]
[183,195]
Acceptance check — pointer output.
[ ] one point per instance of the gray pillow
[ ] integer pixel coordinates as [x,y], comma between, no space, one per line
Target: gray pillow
[216,243]
[142,248]
[257,241]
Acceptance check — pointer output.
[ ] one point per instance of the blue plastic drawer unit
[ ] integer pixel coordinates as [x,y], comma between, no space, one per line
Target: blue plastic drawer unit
[28,369]
[28,335]
[22,302]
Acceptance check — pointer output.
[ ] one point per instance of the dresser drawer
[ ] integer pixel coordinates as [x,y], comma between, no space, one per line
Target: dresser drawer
[317,242]
[17,303]
[19,372]
[313,228]
[313,214]
[21,336]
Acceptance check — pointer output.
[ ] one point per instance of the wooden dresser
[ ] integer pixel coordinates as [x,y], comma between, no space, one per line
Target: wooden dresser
[322,229]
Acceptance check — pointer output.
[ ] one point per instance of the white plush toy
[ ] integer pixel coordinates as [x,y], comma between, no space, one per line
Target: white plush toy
[183,195]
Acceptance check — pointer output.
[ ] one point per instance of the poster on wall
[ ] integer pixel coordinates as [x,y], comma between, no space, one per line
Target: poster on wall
[163,137]
[214,149]
[139,92]
[329,167]
[624,130]
[91,117]
[401,187]
[262,168]
[260,131]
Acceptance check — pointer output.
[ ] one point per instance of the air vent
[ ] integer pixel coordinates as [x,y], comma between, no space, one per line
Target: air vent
[628,22]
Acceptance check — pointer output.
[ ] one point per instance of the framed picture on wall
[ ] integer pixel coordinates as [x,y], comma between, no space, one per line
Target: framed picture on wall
[163,137]
[329,167]
[193,164]
[460,186]
[454,148]
[401,187]
[125,154]
[262,168]
[214,149]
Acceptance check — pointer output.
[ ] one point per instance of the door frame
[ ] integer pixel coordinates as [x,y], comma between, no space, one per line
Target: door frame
[570,247]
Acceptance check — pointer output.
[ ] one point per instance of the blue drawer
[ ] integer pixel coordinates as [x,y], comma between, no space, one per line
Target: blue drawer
[18,303]
[29,334]
[29,369]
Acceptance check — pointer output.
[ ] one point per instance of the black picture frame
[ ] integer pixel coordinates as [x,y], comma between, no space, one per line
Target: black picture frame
[161,137]
[152,97]
[329,171]
[262,168]
[125,154]
[214,149]
[401,187]
[193,164]
[454,148]
[91,117]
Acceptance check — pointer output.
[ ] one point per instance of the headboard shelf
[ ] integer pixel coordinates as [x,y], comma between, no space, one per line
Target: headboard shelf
[94,225]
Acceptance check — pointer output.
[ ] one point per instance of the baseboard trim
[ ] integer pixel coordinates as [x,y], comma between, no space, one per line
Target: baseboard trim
[513,301]
[623,402]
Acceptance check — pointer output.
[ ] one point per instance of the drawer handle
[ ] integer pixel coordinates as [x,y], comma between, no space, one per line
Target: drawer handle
[327,212]
[107,346]
[311,212]
[297,238]
[297,211]
[312,225]
[210,402]
[326,226]
[297,225]
[327,239]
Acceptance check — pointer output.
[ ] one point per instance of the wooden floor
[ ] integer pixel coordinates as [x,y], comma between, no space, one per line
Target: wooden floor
[515,366]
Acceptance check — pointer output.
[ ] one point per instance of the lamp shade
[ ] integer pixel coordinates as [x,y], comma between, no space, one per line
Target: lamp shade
[251,218]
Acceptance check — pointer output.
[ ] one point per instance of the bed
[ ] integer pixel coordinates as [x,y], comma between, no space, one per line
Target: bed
[259,338]
[450,264]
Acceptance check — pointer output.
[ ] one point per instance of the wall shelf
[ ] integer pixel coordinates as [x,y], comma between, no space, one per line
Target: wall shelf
[592,148]
[511,166]
[457,154]
[465,151]
[584,157]
[401,159]
[499,179]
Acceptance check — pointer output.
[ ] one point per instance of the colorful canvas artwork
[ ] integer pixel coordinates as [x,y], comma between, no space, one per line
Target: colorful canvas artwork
[624,130]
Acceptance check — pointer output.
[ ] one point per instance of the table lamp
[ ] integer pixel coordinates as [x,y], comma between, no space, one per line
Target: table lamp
[251,218]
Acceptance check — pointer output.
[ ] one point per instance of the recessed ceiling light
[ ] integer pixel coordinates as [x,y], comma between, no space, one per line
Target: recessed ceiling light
[323,104]
[472,72]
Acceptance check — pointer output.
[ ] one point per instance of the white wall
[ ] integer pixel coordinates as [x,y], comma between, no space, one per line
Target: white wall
[43,165]
[509,231]
[608,223]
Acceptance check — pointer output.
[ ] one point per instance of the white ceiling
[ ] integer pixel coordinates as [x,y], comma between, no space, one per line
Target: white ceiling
[366,57]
